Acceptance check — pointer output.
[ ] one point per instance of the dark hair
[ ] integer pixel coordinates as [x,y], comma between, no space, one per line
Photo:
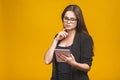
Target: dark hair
[78,13]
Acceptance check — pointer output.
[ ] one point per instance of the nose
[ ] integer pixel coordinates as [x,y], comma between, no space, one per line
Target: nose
[68,21]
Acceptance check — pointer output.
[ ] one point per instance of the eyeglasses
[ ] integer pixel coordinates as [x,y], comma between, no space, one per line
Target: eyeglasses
[72,20]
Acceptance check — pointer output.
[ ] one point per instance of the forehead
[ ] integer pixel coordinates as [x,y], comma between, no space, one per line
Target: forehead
[70,14]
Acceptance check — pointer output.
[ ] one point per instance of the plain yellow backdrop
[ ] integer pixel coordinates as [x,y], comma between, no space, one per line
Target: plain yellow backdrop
[27,28]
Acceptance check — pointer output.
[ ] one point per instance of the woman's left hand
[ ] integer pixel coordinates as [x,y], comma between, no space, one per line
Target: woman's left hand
[68,59]
[71,60]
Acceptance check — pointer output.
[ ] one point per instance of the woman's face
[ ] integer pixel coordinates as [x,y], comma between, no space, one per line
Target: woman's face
[69,21]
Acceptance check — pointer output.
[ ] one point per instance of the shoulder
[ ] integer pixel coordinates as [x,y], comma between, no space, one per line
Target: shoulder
[84,36]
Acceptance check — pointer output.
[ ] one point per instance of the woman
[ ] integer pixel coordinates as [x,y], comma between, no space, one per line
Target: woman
[75,37]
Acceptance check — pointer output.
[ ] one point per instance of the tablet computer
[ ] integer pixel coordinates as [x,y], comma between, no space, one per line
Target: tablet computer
[59,52]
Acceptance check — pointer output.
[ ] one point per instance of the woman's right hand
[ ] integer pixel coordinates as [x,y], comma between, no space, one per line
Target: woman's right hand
[61,35]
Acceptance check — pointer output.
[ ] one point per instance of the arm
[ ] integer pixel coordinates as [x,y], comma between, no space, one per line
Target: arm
[86,55]
[81,66]
[49,54]
[72,62]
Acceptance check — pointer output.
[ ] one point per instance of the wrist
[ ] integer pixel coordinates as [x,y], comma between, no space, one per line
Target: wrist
[74,64]
[56,40]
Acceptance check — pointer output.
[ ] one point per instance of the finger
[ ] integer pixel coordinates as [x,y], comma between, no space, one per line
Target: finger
[63,57]
[63,34]
[72,56]
[58,55]
[64,29]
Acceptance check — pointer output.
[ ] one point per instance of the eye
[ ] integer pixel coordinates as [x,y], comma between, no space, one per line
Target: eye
[66,18]
[72,19]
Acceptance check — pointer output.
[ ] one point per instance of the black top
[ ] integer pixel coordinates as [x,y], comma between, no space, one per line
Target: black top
[82,50]
[63,69]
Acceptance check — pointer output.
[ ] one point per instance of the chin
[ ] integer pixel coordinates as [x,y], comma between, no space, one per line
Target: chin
[70,29]
[67,29]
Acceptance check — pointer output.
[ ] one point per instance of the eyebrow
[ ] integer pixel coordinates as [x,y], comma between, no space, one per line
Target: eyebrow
[70,17]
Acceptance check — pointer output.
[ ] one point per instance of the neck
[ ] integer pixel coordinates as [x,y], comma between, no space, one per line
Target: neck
[71,32]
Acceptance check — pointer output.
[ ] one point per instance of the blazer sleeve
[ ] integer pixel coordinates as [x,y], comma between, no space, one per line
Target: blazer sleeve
[87,50]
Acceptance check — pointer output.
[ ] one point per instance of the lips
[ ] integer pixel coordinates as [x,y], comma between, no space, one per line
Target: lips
[67,26]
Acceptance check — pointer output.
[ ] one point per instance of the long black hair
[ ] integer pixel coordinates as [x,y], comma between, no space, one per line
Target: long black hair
[81,27]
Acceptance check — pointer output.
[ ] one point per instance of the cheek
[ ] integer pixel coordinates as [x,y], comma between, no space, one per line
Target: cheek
[75,25]
[63,24]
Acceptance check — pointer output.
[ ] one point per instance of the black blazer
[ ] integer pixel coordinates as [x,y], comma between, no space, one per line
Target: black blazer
[82,50]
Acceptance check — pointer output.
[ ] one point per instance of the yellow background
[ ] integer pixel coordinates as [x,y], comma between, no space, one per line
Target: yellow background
[27,28]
